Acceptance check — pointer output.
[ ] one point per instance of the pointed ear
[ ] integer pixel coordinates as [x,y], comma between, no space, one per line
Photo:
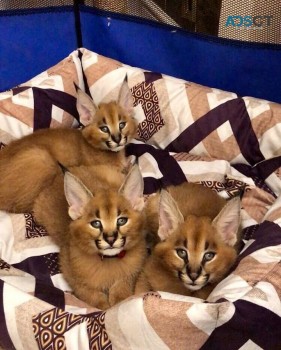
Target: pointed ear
[228,220]
[169,215]
[125,98]
[85,107]
[76,194]
[132,188]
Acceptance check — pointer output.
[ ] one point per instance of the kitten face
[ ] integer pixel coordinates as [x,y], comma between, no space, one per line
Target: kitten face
[196,254]
[111,129]
[109,225]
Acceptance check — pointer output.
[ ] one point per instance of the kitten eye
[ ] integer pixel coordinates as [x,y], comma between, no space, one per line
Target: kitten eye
[182,253]
[96,224]
[209,256]
[104,129]
[121,221]
[122,125]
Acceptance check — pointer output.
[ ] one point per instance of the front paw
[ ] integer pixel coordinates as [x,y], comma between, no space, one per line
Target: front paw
[102,304]
[128,164]
[94,298]
[116,296]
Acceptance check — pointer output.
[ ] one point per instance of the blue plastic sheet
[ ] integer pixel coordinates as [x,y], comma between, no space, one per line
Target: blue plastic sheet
[34,40]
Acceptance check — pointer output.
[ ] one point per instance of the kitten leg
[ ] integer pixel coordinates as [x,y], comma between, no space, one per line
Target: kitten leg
[51,210]
[92,297]
[128,164]
[81,286]
[23,176]
[142,284]
[121,290]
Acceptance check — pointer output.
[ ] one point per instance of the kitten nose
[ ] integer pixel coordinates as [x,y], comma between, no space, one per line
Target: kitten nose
[116,138]
[110,238]
[193,275]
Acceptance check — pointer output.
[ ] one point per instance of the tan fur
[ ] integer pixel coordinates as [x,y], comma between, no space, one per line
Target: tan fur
[29,164]
[51,208]
[96,279]
[195,221]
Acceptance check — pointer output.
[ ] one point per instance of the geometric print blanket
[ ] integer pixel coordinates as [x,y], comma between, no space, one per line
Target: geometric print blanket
[38,310]
[37,307]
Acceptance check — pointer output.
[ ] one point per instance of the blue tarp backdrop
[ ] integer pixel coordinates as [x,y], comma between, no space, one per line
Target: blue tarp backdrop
[34,40]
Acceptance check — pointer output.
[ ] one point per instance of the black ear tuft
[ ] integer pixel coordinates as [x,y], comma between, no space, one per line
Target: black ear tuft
[242,191]
[76,86]
[63,168]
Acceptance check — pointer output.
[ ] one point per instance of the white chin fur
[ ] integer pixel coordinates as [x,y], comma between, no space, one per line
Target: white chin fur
[110,252]
[191,287]
[116,149]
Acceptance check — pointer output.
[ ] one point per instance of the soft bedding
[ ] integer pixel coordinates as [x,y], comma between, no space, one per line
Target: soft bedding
[187,132]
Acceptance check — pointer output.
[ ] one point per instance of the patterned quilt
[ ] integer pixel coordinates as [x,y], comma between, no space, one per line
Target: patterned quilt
[186,133]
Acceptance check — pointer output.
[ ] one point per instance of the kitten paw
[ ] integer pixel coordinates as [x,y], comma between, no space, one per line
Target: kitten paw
[102,305]
[94,298]
[151,294]
[116,296]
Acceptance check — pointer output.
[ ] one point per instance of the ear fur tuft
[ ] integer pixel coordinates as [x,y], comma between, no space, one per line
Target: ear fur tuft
[76,86]
[125,98]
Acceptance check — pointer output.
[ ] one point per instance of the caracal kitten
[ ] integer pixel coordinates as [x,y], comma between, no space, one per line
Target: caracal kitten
[197,237]
[29,164]
[96,217]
